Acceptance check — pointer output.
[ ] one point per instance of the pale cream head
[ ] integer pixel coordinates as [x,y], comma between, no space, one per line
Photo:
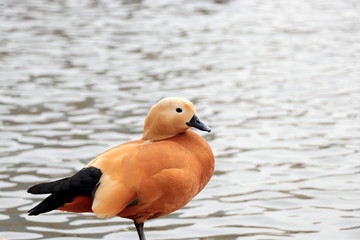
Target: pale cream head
[168,118]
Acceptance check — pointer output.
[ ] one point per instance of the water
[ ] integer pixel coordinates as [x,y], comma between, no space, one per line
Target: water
[278,82]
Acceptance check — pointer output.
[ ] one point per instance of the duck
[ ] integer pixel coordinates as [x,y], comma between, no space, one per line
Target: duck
[142,179]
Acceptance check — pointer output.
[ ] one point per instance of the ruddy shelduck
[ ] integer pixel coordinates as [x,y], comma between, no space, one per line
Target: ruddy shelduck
[141,179]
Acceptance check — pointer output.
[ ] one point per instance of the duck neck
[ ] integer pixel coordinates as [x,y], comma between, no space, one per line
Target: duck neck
[153,136]
[152,131]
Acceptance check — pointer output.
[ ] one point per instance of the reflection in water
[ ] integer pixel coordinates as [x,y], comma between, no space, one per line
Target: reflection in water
[276,80]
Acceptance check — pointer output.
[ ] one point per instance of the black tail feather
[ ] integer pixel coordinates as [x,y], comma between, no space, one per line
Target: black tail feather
[52,202]
[62,191]
[50,187]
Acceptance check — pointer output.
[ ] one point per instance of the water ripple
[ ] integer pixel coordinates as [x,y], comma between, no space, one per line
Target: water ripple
[277,82]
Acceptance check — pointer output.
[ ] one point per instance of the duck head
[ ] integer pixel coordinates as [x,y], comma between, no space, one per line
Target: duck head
[171,117]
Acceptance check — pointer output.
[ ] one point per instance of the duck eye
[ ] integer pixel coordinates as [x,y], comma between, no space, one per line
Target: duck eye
[179,110]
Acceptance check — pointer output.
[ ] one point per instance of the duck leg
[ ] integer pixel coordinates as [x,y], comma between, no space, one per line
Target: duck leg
[140,230]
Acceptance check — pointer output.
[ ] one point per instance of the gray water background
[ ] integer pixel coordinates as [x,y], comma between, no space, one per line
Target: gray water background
[278,81]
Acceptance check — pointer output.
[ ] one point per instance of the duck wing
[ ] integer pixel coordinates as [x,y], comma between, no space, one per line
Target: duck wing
[83,183]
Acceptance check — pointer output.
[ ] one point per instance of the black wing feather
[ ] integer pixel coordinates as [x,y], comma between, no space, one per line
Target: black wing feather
[62,191]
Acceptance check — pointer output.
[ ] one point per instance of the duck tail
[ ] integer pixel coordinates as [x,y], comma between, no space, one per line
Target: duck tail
[84,182]
[52,202]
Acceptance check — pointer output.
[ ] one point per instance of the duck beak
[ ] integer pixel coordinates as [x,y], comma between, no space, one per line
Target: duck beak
[196,123]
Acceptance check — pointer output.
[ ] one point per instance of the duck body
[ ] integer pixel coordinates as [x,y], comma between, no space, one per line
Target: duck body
[141,179]
[152,179]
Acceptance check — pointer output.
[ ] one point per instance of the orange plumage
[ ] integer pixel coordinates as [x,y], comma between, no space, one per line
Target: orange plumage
[153,176]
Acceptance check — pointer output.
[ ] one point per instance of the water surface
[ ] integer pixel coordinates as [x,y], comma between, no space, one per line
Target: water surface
[278,82]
